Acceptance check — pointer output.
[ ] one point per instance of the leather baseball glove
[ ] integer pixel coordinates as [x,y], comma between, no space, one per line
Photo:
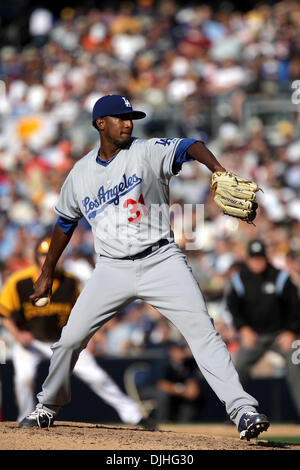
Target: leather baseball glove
[234,195]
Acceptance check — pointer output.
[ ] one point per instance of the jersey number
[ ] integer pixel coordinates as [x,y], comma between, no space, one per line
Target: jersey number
[135,209]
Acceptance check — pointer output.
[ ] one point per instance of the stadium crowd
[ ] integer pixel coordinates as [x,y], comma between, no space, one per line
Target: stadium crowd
[224,76]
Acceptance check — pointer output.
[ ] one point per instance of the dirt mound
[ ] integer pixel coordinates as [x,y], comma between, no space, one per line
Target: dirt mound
[84,436]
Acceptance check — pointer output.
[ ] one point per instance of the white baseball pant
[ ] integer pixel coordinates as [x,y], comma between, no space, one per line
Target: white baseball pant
[164,280]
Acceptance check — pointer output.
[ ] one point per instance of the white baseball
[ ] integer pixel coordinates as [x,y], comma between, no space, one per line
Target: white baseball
[41,302]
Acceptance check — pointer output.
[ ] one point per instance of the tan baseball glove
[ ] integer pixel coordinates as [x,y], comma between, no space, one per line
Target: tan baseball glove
[234,195]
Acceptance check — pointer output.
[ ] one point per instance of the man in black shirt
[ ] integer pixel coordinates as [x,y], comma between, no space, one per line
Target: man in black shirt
[178,390]
[265,307]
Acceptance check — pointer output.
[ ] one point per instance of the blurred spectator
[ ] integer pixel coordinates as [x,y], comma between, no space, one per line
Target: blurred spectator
[293,267]
[127,332]
[178,395]
[221,74]
[80,263]
[265,306]
[161,334]
[40,25]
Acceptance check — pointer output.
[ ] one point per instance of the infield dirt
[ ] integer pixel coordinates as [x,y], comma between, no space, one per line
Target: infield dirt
[86,436]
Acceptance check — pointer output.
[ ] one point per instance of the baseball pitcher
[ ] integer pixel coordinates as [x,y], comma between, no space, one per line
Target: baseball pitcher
[121,187]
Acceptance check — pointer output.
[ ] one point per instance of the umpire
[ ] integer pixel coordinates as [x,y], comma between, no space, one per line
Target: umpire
[265,307]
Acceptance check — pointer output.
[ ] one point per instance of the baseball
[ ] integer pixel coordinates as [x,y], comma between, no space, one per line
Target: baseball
[41,302]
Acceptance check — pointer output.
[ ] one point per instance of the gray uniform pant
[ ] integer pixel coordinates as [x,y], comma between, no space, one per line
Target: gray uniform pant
[247,357]
[164,280]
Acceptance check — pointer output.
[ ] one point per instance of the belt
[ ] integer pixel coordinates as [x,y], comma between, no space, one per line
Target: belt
[148,250]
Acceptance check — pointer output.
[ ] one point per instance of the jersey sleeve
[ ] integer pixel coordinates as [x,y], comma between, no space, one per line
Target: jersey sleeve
[168,155]
[67,205]
[66,224]
[9,299]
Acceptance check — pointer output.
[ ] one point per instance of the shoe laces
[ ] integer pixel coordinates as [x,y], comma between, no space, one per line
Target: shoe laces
[40,413]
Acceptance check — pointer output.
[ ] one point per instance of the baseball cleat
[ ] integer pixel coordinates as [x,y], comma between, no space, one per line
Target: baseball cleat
[38,418]
[148,424]
[252,424]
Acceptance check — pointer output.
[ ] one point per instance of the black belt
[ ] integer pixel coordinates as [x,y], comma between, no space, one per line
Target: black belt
[148,250]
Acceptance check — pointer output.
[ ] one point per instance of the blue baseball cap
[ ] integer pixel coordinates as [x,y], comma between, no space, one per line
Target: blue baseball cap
[113,105]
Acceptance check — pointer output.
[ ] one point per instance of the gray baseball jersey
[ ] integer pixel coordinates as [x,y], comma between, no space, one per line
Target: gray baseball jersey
[117,198]
[125,200]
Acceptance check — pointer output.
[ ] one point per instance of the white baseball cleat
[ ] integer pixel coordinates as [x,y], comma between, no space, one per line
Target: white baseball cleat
[38,418]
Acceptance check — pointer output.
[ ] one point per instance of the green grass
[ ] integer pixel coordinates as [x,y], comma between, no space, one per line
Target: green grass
[284,439]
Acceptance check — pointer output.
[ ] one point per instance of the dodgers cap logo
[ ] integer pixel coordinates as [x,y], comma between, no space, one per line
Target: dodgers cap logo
[114,105]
